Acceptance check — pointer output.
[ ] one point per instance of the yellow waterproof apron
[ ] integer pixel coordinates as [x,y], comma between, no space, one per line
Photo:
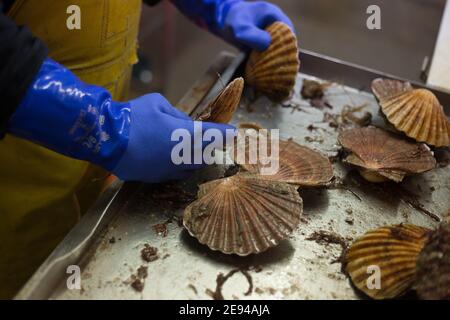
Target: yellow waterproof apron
[42,193]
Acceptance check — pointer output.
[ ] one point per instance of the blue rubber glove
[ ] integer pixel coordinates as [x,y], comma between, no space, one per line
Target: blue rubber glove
[239,22]
[131,139]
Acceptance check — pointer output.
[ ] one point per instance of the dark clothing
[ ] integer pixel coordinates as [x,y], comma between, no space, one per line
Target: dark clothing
[21,55]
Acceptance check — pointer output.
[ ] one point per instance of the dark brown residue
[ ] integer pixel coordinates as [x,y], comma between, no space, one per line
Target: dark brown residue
[137,285]
[161,229]
[349,221]
[337,184]
[221,279]
[327,237]
[193,288]
[312,89]
[411,199]
[256,268]
[324,237]
[149,253]
[349,117]
[320,104]
[142,272]
[137,281]
[331,119]
[250,282]
[171,195]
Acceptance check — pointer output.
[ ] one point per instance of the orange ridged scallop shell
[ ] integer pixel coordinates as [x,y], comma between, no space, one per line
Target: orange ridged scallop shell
[416,112]
[433,266]
[243,214]
[222,108]
[298,165]
[378,152]
[274,71]
[393,250]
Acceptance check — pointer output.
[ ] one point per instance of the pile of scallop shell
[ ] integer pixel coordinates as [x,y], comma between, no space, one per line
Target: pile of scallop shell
[389,261]
[251,212]
[416,113]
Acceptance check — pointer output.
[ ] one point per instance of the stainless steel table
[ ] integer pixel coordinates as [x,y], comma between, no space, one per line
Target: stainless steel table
[107,242]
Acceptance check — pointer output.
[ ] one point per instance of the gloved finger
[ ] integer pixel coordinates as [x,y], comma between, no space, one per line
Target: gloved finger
[271,13]
[253,37]
[174,112]
[166,107]
[194,151]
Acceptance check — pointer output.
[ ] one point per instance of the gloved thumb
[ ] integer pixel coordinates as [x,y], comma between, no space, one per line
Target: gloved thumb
[174,112]
[254,38]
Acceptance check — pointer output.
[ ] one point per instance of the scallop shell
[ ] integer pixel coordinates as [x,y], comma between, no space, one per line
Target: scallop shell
[433,266]
[385,155]
[274,71]
[243,214]
[222,108]
[249,125]
[297,165]
[393,250]
[416,112]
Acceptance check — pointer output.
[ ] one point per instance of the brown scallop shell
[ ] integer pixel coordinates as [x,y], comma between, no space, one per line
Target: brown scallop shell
[394,250]
[381,154]
[433,266]
[416,112]
[274,71]
[222,108]
[249,125]
[243,214]
[298,165]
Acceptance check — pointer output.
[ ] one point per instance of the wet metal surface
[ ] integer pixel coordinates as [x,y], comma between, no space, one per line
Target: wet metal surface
[306,266]
[297,269]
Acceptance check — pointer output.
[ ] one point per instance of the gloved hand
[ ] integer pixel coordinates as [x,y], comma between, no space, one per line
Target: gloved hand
[131,139]
[239,22]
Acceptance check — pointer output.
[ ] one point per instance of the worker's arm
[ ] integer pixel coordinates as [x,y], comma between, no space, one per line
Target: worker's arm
[131,139]
[239,22]
[21,55]
[57,110]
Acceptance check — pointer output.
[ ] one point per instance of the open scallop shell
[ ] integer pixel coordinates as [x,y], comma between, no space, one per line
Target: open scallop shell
[379,154]
[222,108]
[416,112]
[389,252]
[274,71]
[433,266]
[297,165]
[243,214]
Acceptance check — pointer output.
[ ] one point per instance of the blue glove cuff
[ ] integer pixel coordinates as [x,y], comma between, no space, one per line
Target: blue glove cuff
[70,117]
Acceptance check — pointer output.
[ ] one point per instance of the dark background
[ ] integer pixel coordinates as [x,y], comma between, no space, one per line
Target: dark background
[177,52]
